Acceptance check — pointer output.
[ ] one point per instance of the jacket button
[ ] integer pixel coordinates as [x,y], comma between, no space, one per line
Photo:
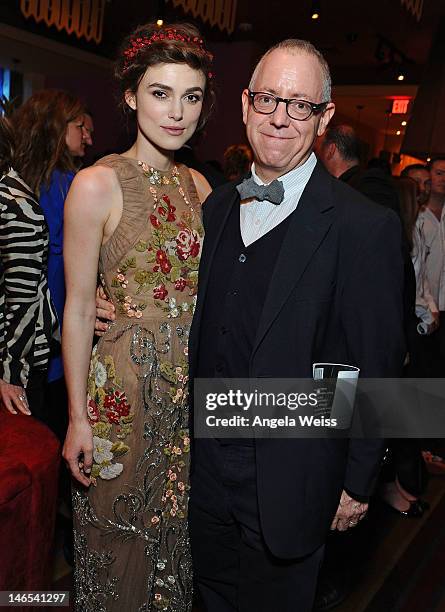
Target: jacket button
[242,258]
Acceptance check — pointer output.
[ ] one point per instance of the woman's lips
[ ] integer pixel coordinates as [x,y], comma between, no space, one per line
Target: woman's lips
[173,131]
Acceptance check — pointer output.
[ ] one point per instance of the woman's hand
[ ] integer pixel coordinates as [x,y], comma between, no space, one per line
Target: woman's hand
[13,398]
[78,451]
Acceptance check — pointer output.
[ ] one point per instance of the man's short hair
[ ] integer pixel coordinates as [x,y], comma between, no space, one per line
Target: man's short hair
[295,45]
[434,160]
[407,169]
[345,139]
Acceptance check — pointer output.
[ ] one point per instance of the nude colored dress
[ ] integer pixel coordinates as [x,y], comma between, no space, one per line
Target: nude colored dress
[131,541]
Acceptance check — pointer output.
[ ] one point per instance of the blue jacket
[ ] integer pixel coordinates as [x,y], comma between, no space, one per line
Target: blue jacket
[52,201]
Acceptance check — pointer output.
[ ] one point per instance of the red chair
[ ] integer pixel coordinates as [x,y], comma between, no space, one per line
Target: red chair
[29,468]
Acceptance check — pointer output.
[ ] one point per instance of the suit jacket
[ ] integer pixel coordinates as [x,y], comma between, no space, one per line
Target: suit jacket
[375,184]
[335,296]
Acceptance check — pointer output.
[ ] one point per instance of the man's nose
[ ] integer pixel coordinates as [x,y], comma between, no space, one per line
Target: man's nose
[280,118]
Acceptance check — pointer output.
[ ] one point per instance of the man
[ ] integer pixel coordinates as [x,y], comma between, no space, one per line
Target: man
[421,175]
[339,150]
[432,221]
[317,277]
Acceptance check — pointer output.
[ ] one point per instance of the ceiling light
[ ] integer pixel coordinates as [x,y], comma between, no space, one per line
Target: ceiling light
[315,9]
[398,133]
[160,23]
[403,123]
[401,77]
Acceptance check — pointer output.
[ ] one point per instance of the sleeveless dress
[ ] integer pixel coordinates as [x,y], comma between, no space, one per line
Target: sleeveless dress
[130,527]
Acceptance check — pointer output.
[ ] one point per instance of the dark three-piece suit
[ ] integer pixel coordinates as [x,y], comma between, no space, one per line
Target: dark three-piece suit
[325,285]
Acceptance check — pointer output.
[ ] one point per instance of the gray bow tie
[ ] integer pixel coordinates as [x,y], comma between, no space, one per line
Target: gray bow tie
[274,192]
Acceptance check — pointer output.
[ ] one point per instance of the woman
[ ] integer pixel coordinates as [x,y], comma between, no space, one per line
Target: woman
[405,469]
[50,143]
[136,218]
[28,323]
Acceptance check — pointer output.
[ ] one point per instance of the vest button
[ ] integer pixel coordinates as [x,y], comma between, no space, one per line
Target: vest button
[242,258]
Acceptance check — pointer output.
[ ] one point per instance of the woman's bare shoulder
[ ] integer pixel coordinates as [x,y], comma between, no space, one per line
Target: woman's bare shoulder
[98,181]
[202,185]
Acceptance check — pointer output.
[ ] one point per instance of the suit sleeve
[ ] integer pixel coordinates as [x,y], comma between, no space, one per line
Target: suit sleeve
[372,315]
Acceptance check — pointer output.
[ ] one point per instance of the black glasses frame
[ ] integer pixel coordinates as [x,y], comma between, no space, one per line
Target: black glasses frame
[316,109]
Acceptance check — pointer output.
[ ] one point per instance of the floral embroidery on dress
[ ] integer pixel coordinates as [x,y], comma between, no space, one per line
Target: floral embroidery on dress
[108,410]
[164,267]
[175,493]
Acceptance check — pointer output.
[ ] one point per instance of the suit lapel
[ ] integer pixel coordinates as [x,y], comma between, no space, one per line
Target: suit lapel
[308,226]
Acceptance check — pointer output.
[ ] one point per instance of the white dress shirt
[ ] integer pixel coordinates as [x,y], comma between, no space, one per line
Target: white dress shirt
[425,304]
[434,236]
[258,218]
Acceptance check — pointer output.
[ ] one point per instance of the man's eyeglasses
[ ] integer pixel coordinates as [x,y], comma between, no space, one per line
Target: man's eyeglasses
[266,104]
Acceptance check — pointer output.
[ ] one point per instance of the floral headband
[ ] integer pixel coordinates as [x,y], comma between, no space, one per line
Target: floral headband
[136,44]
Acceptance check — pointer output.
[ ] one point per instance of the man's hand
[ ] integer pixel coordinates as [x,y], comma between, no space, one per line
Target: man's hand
[13,398]
[435,322]
[349,513]
[104,312]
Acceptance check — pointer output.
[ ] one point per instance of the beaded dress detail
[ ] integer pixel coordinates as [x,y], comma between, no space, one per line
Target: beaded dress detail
[130,538]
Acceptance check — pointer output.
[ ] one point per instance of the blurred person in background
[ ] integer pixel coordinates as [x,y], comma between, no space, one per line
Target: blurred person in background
[421,175]
[432,218]
[404,472]
[88,129]
[50,142]
[237,161]
[28,322]
[339,150]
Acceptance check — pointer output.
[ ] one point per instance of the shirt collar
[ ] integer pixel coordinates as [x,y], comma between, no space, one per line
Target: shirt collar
[294,179]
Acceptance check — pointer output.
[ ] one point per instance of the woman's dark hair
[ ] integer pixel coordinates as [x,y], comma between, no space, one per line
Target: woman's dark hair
[149,45]
[6,145]
[40,126]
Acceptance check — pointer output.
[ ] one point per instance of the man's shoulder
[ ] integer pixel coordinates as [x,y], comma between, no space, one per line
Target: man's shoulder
[356,206]
[219,198]
[222,192]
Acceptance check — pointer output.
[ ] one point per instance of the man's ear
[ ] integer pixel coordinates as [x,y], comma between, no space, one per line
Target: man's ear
[245,104]
[130,99]
[330,150]
[326,116]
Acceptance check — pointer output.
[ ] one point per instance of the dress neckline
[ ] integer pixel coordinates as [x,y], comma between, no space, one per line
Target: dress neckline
[140,163]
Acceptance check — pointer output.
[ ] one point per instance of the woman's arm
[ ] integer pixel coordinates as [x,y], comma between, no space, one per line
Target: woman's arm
[87,210]
[22,252]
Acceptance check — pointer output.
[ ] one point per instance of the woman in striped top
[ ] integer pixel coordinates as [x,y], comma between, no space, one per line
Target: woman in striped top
[49,143]
[28,323]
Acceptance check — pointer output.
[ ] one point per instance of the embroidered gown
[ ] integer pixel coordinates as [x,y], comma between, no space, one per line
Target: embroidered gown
[130,528]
